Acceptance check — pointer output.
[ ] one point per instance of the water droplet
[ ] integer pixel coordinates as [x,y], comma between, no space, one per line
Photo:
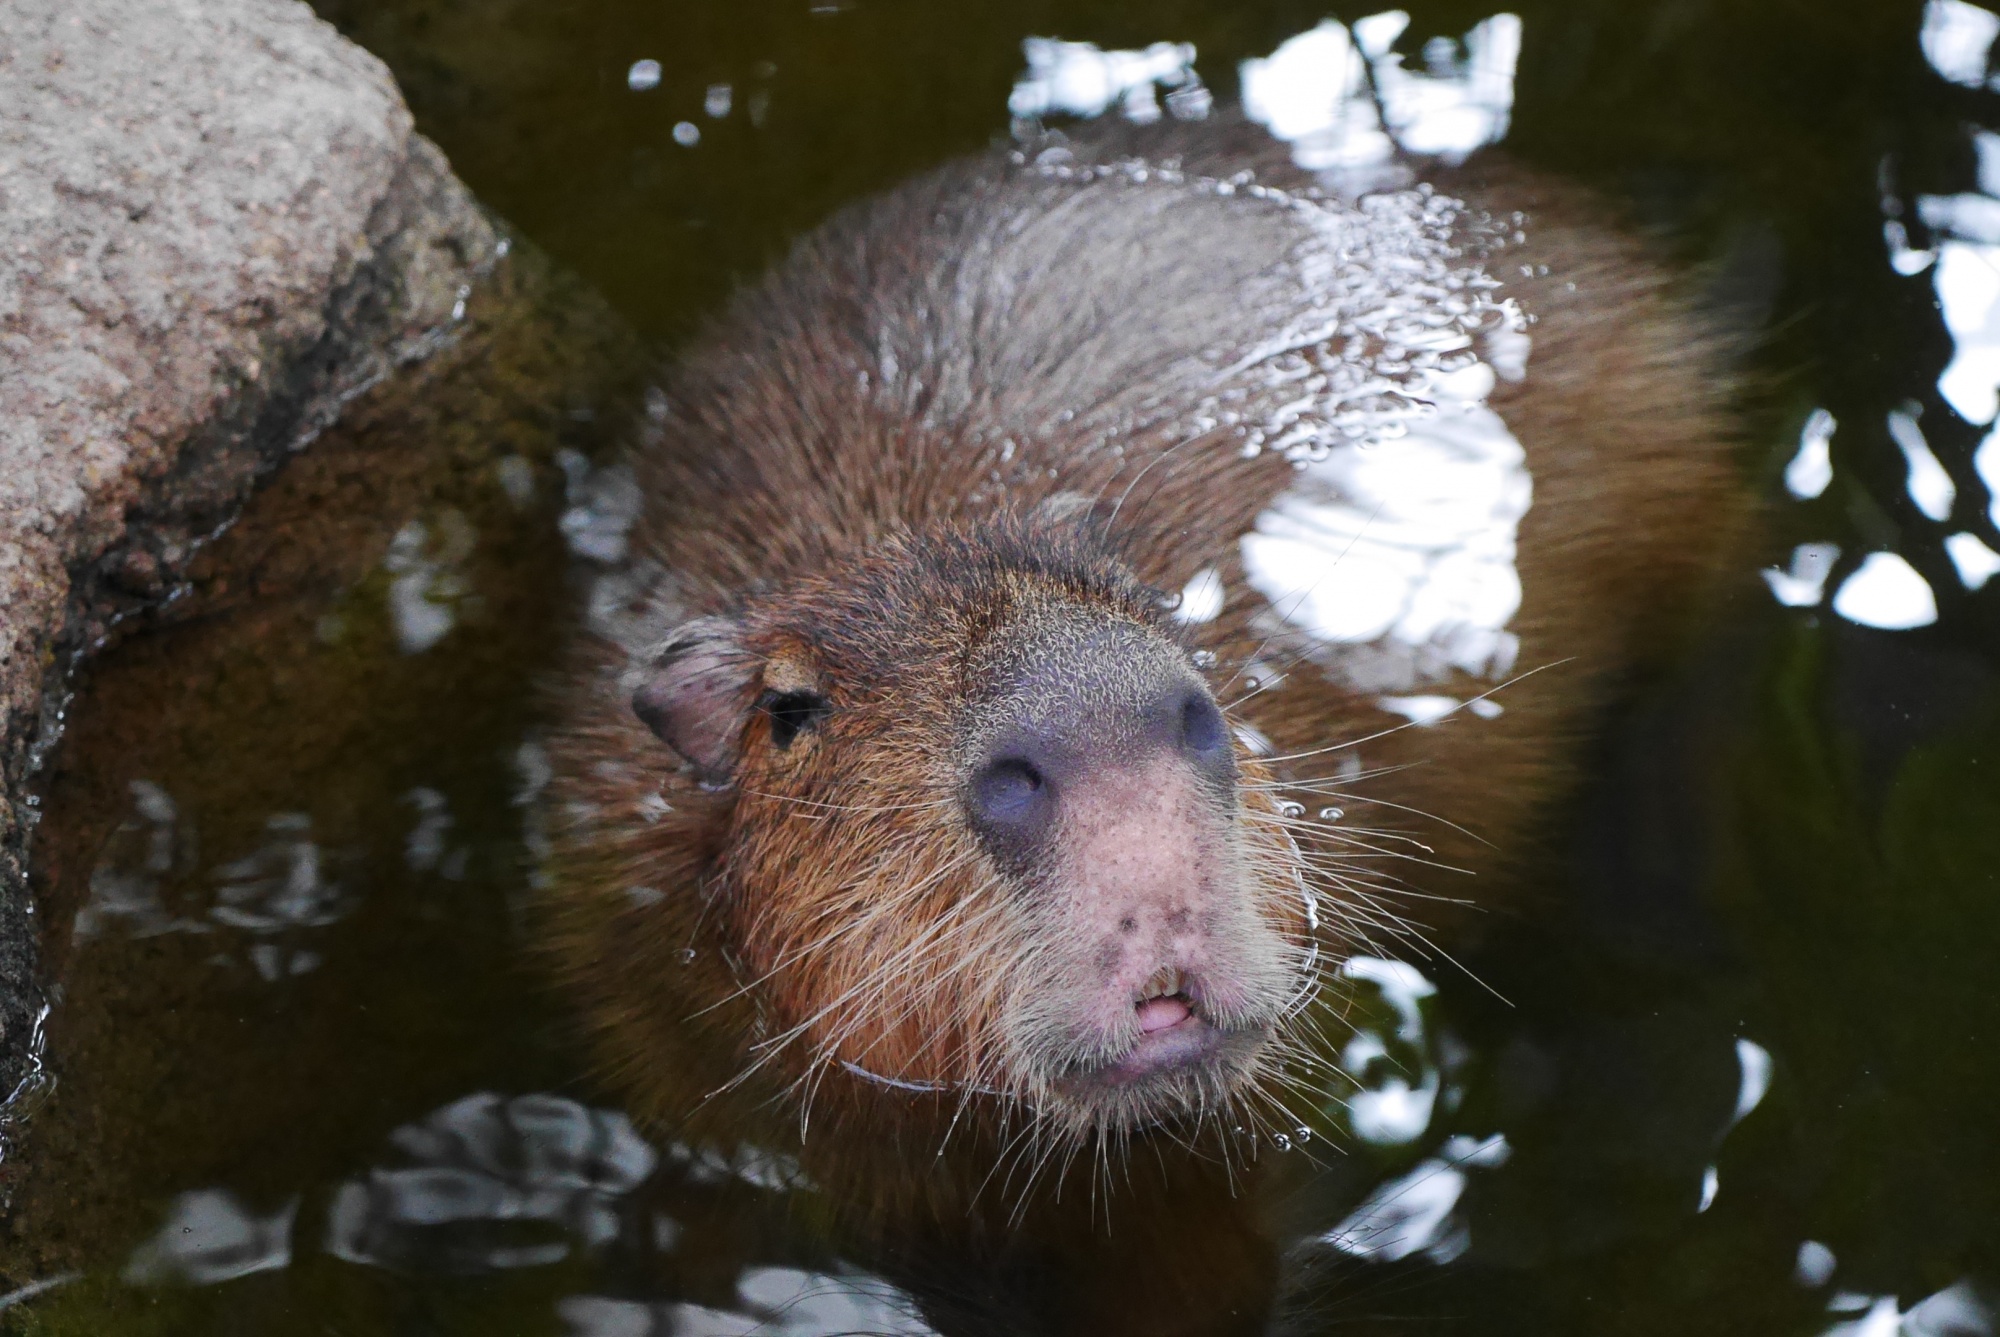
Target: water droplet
[1291,809]
[1331,814]
[686,955]
[1303,1133]
[1204,659]
[1281,1142]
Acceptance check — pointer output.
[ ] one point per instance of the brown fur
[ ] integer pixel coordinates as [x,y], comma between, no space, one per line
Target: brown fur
[962,407]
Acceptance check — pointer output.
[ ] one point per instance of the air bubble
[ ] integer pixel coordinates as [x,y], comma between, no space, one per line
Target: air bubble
[1291,809]
[1281,1141]
[1332,814]
[1303,1133]
[1203,659]
[686,956]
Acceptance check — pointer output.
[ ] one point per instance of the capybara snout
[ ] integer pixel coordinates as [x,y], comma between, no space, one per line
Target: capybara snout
[1028,771]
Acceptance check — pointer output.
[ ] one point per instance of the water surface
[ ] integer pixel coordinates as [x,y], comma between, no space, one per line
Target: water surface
[1738,1074]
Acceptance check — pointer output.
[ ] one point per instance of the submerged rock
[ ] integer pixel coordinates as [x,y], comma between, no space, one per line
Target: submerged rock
[219,229]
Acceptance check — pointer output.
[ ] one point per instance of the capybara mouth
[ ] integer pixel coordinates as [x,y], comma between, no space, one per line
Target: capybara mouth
[1184,1053]
[1176,1043]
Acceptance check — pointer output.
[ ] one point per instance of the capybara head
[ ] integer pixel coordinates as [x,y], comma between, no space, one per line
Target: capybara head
[985,830]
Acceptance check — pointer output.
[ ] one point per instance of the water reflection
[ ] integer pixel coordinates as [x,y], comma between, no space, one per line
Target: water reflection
[494,1184]
[209,1236]
[1079,79]
[1957,40]
[538,1184]
[279,888]
[1956,1311]
[1413,1213]
[780,1301]
[428,589]
[1345,101]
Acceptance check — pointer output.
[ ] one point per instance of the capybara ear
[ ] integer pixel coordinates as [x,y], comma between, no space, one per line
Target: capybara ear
[696,694]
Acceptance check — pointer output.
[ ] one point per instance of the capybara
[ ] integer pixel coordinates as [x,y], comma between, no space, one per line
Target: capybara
[1089,591]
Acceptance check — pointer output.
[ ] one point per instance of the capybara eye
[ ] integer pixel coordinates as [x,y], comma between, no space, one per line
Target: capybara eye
[791,714]
[1202,728]
[1007,791]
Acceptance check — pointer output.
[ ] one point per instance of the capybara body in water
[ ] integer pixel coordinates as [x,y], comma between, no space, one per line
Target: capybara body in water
[1088,592]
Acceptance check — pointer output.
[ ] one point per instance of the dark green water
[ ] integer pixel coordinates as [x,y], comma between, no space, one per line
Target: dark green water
[1744,1072]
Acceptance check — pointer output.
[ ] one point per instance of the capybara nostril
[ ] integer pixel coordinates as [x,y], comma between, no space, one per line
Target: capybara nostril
[1011,793]
[1203,732]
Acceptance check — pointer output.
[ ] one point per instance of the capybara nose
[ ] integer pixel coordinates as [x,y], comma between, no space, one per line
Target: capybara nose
[1043,762]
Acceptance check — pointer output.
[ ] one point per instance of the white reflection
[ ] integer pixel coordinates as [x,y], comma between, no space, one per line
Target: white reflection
[1986,463]
[1969,216]
[1753,1083]
[209,1237]
[425,850]
[283,884]
[1976,562]
[780,1301]
[1423,710]
[1968,290]
[603,503]
[1312,92]
[428,582]
[1463,103]
[643,76]
[1814,1266]
[1803,585]
[1315,93]
[1930,487]
[1886,592]
[1389,1108]
[126,884]
[1956,1311]
[1403,546]
[1753,1065]
[495,1183]
[1959,1310]
[773,1172]
[1201,597]
[1811,469]
[280,887]
[816,1302]
[1958,40]
[1412,1213]
[1081,79]
[1903,258]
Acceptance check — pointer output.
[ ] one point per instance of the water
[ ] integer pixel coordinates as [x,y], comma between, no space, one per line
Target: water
[1733,1069]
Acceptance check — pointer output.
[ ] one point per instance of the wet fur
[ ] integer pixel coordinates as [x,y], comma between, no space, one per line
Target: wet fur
[957,405]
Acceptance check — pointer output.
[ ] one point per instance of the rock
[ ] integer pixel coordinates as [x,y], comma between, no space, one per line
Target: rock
[217,227]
